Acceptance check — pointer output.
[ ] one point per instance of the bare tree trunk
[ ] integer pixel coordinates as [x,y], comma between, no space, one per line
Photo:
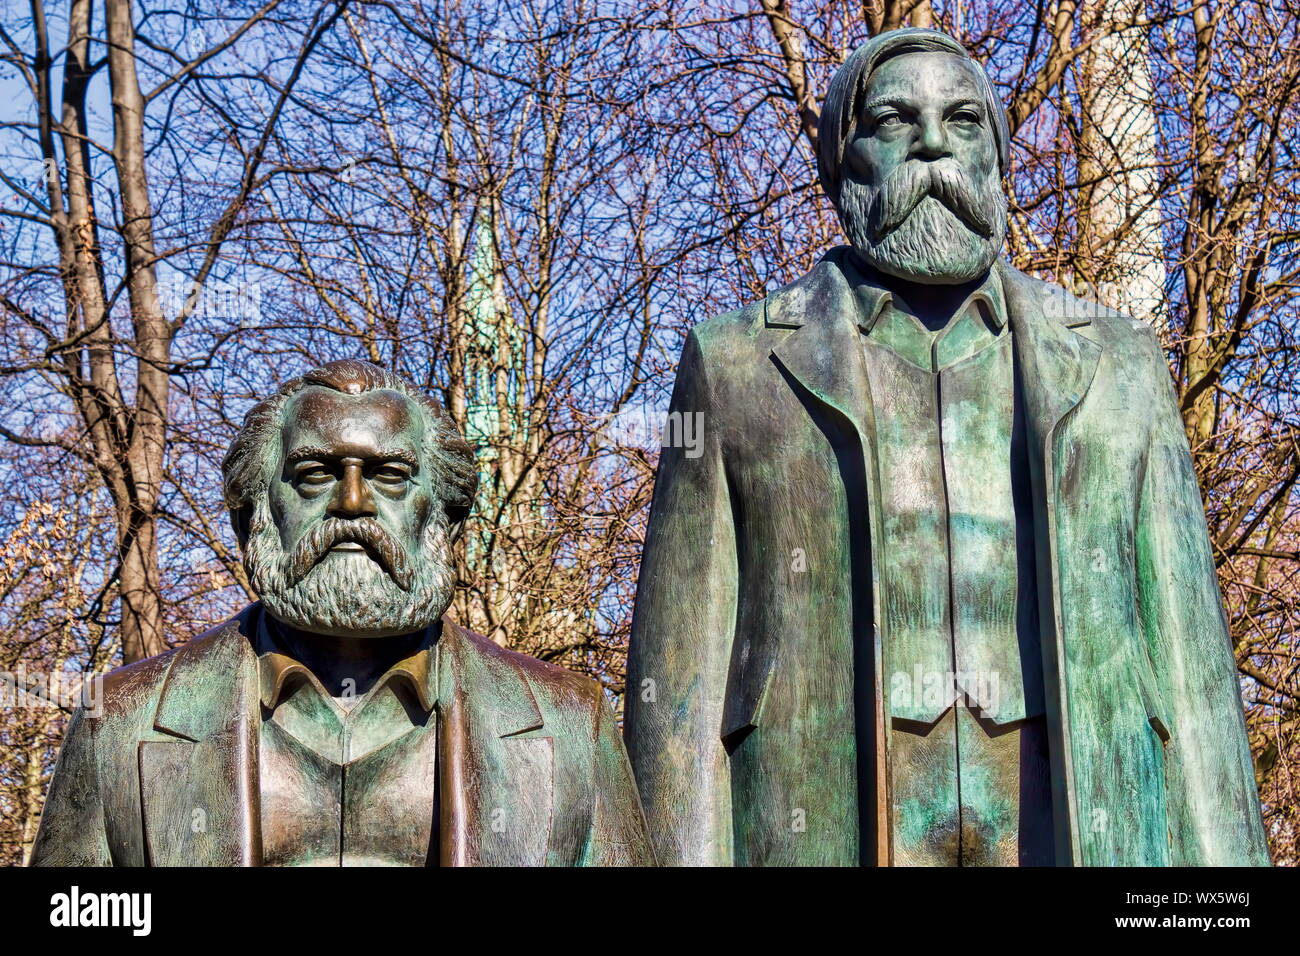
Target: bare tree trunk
[790,42]
[116,369]
[1199,409]
[141,597]
[126,439]
[922,15]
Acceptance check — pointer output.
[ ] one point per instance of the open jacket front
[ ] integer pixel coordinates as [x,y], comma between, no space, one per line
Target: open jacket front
[759,607]
[166,775]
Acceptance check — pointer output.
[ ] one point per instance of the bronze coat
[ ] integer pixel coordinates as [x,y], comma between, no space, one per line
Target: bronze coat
[167,774]
[758,598]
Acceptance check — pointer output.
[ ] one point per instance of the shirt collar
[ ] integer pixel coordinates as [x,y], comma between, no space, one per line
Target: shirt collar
[874,297]
[278,670]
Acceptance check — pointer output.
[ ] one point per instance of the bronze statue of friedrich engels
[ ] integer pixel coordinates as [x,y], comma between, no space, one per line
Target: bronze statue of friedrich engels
[343,721]
[938,590]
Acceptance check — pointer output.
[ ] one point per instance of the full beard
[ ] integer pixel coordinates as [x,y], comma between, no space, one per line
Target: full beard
[914,233]
[351,593]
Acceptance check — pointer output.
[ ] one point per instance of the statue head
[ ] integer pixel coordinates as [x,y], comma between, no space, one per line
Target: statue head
[912,144]
[347,488]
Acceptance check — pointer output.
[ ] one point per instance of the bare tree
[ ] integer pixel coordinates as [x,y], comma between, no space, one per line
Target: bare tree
[110,359]
[523,207]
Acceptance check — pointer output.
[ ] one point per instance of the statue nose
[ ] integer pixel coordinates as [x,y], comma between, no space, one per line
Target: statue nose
[931,140]
[353,498]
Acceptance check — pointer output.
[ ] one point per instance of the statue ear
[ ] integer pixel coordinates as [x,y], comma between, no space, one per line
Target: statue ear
[456,516]
[240,518]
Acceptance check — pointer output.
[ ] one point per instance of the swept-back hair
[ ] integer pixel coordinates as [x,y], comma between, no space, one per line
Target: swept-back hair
[843,105]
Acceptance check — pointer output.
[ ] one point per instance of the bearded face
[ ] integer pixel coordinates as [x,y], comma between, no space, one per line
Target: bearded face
[373,591]
[921,199]
[927,222]
[350,538]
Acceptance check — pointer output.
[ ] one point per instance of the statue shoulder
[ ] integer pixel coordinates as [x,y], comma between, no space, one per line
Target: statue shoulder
[725,341]
[1121,334]
[134,686]
[563,688]
[719,337]
[557,687]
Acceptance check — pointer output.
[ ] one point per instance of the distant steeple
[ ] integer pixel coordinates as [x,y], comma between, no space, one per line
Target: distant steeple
[484,307]
[495,363]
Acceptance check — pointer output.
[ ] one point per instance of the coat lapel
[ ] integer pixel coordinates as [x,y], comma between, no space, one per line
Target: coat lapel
[199,789]
[496,771]
[825,355]
[824,352]
[1058,363]
[1057,368]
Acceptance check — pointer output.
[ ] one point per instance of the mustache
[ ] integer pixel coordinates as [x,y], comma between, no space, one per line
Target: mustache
[367,532]
[904,188]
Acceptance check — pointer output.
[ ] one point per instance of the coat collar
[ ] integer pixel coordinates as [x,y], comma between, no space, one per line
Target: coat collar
[873,297]
[218,662]
[826,308]
[200,789]
[416,674]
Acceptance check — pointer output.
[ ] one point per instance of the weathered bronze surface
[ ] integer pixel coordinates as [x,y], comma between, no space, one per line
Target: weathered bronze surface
[1009,504]
[342,720]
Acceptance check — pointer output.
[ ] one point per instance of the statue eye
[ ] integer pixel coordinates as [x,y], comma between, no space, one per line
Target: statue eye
[965,116]
[392,474]
[886,120]
[314,475]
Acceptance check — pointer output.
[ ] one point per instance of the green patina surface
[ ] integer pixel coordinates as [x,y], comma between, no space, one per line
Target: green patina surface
[845,523]
[766,675]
